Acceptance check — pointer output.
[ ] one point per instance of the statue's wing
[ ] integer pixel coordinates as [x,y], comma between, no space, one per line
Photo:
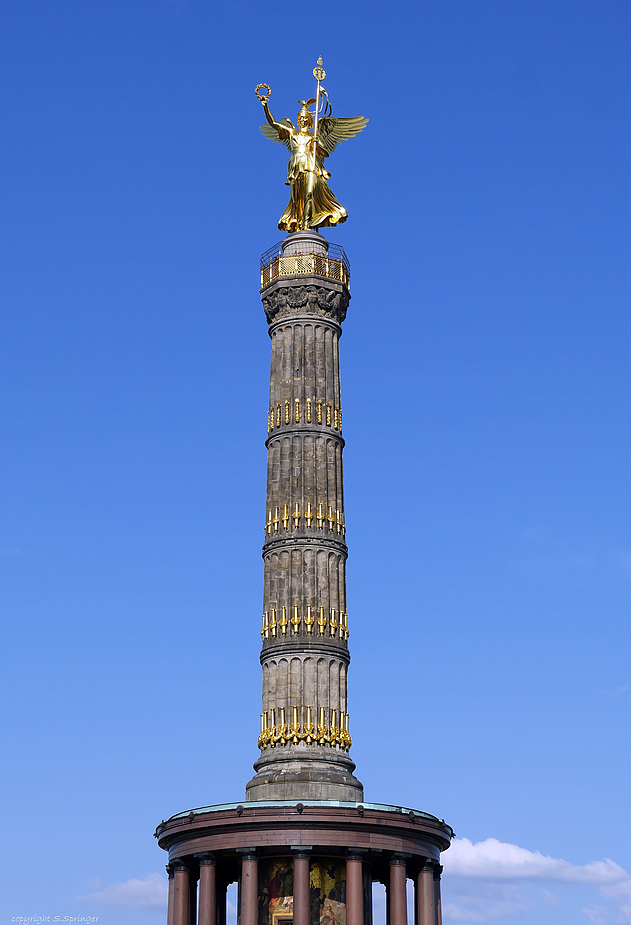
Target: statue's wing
[331,130]
[281,137]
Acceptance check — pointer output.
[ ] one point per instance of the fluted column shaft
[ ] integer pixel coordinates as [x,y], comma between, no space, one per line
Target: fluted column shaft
[304,723]
[304,599]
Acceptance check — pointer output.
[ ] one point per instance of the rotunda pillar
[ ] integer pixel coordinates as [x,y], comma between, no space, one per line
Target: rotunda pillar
[424,895]
[249,889]
[398,898]
[207,890]
[171,876]
[437,903]
[354,889]
[301,887]
[181,893]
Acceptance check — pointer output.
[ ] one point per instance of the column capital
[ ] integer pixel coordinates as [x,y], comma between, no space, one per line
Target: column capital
[247,854]
[205,857]
[355,854]
[399,857]
[289,299]
[178,864]
[301,851]
[437,870]
[170,871]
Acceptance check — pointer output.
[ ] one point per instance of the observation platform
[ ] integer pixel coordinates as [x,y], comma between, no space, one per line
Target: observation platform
[306,254]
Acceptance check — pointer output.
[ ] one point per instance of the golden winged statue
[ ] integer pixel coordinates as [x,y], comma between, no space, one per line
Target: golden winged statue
[311,202]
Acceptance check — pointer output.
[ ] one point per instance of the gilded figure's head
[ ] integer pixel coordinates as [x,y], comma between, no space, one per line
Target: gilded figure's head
[304,118]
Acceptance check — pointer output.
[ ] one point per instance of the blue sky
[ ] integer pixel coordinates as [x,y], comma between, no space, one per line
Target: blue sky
[486,396]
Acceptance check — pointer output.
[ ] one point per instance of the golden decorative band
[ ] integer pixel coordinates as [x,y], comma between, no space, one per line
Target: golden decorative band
[272,735]
[334,520]
[310,411]
[337,626]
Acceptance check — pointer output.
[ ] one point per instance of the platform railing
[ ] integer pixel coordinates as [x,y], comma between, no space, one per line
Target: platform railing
[334,265]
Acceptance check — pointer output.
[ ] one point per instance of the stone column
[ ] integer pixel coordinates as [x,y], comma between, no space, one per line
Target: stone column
[207,890]
[305,731]
[302,914]
[438,911]
[171,876]
[180,893]
[354,889]
[249,889]
[424,895]
[398,898]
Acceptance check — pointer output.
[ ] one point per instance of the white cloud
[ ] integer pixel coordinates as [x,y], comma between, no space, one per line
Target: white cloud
[492,879]
[620,894]
[496,860]
[150,893]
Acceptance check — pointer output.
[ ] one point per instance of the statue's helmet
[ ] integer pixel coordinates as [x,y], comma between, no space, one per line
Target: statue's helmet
[304,115]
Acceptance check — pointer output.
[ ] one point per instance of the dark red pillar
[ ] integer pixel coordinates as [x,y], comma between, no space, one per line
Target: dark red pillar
[398,897]
[301,887]
[424,896]
[438,911]
[207,890]
[171,876]
[181,891]
[249,890]
[354,889]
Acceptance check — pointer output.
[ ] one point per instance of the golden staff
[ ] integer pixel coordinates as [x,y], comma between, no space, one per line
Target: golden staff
[319,73]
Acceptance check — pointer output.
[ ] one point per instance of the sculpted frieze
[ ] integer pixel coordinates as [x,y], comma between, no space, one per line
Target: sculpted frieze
[309,300]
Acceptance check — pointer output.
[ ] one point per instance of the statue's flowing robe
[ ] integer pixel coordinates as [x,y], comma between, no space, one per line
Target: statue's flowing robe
[309,189]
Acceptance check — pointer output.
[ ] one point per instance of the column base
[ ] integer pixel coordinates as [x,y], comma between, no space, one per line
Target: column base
[292,779]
